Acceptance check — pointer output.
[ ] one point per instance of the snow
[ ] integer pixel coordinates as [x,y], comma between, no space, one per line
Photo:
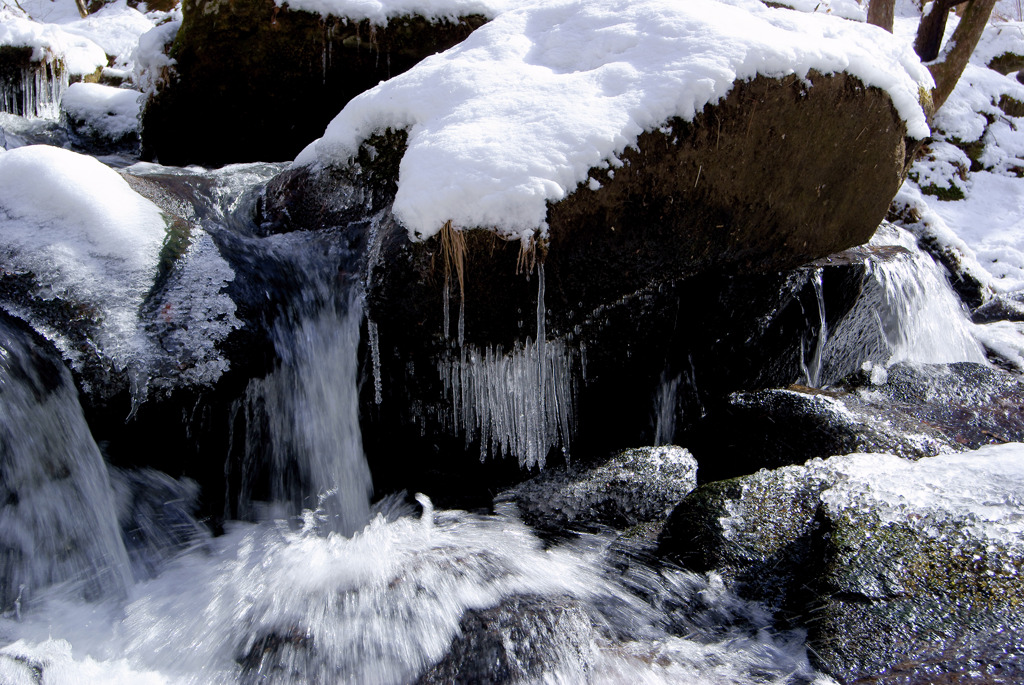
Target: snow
[106,111]
[380,11]
[48,41]
[150,56]
[517,115]
[999,39]
[54,29]
[115,28]
[846,9]
[84,233]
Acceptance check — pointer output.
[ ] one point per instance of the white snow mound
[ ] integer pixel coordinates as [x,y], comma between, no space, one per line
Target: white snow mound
[107,111]
[517,114]
[80,55]
[79,227]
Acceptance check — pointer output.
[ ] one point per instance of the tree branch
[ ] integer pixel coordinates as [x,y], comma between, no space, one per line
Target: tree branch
[947,70]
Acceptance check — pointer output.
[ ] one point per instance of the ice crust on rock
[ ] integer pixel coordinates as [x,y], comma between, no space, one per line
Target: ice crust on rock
[84,234]
[981,491]
[516,115]
[634,486]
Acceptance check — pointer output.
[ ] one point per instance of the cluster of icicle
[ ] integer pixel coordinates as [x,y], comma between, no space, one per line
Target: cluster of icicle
[518,403]
[37,93]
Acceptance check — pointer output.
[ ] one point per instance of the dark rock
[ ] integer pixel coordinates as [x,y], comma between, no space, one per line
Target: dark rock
[521,640]
[634,486]
[255,81]
[1003,307]
[900,573]
[1006,63]
[910,410]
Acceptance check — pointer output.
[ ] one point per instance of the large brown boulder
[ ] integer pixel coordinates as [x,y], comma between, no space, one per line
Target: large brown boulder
[256,82]
[683,255]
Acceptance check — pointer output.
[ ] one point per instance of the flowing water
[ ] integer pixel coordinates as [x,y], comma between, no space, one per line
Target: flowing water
[321,585]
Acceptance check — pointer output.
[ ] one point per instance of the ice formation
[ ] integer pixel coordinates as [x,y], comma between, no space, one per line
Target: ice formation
[85,235]
[516,115]
[521,402]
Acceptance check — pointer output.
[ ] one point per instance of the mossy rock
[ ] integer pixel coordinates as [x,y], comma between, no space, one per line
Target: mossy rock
[258,82]
[1006,63]
[890,590]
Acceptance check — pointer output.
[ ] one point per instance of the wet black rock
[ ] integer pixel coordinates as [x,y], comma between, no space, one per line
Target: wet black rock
[522,639]
[910,410]
[634,486]
[257,81]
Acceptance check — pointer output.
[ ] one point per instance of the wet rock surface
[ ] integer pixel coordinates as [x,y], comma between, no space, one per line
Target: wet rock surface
[633,487]
[901,571]
[911,410]
[521,639]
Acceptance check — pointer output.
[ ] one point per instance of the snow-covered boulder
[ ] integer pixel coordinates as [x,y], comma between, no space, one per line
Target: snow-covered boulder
[102,118]
[901,571]
[568,158]
[257,80]
[132,296]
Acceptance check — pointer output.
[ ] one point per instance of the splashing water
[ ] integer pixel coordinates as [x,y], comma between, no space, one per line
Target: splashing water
[271,604]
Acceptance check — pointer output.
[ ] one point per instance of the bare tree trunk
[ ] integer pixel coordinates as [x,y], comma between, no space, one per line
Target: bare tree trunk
[947,71]
[882,13]
[82,9]
[930,30]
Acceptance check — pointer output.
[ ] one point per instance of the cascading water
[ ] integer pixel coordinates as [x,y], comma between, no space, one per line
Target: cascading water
[906,312]
[309,407]
[58,523]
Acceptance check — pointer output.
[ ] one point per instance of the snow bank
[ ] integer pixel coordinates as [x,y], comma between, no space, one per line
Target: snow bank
[83,232]
[116,28]
[109,112]
[380,11]
[150,56]
[999,39]
[516,115]
[48,42]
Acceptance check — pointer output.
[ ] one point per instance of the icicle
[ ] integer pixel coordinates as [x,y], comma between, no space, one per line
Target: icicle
[812,371]
[665,409]
[378,386]
[521,402]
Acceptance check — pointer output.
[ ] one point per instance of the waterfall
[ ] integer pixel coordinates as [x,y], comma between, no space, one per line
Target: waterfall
[906,312]
[309,408]
[58,522]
